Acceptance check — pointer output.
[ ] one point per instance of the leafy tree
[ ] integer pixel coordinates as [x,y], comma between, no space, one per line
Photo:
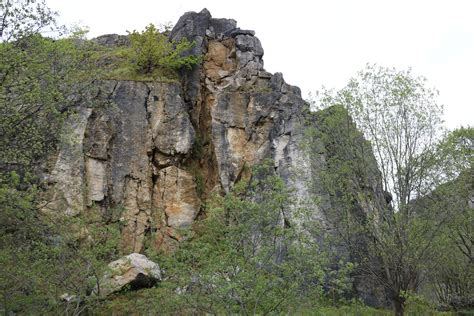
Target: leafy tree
[21,18]
[41,81]
[152,50]
[399,115]
[402,120]
[351,179]
[451,272]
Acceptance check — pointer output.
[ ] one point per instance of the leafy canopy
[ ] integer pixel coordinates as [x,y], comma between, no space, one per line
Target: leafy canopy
[152,50]
[402,119]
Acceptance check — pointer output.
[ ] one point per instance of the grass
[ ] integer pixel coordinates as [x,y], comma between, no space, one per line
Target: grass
[164,300]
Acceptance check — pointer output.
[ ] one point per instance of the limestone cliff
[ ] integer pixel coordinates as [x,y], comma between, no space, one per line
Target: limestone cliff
[155,151]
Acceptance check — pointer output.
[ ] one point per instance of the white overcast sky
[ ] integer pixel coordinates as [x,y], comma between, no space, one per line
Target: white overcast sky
[316,43]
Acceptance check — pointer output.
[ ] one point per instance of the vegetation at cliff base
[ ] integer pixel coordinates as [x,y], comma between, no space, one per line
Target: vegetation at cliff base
[246,259]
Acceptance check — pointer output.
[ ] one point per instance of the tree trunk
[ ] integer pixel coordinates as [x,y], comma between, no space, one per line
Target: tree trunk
[399,306]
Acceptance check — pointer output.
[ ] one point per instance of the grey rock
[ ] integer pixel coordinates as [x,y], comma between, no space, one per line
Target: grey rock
[237,31]
[221,27]
[264,75]
[112,40]
[194,27]
[190,25]
[117,145]
[248,43]
[244,58]
[171,128]
[129,147]
[288,89]
[277,81]
[97,136]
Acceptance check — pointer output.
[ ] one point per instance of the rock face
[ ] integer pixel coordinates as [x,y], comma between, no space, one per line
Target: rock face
[155,151]
[175,192]
[135,271]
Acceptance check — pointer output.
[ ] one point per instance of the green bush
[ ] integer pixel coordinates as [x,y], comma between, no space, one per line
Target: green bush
[152,51]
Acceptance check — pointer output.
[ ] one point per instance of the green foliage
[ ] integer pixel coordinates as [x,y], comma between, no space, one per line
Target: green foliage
[246,257]
[41,80]
[22,261]
[352,310]
[402,120]
[238,260]
[43,256]
[452,271]
[349,176]
[22,18]
[149,56]
[152,51]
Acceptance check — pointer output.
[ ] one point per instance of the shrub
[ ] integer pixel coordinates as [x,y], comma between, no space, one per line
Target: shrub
[152,50]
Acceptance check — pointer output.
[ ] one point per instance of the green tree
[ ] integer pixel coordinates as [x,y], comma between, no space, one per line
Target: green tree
[350,178]
[400,117]
[153,51]
[21,18]
[41,82]
[452,270]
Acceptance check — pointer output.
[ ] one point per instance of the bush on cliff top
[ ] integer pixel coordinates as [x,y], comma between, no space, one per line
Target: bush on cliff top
[149,56]
[151,50]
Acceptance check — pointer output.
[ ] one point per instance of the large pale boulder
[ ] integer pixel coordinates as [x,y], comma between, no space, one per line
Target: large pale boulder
[134,271]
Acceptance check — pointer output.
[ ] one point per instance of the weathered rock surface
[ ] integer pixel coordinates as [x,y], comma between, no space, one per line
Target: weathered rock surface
[155,151]
[134,271]
[171,128]
[68,173]
[112,40]
[175,192]
[149,154]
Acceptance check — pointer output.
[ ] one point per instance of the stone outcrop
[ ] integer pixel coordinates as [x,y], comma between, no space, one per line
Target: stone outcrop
[134,271]
[68,173]
[155,151]
[176,193]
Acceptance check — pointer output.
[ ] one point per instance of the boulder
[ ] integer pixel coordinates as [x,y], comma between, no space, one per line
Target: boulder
[134,271]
